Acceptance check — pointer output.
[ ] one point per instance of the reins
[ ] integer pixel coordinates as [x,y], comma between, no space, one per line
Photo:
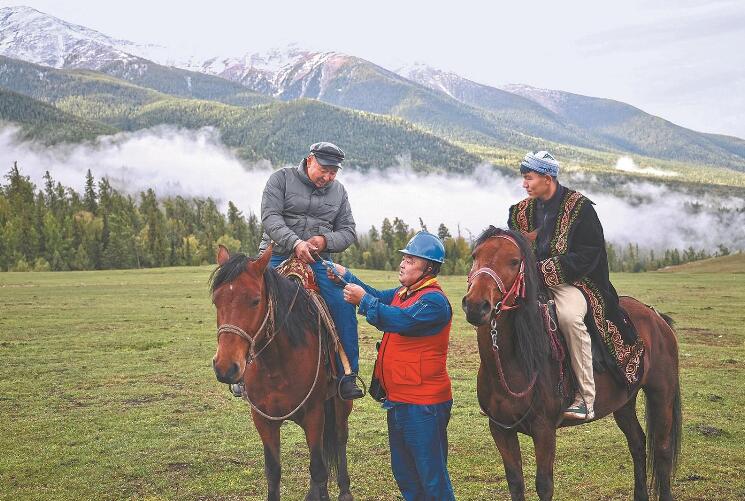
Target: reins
[508,302]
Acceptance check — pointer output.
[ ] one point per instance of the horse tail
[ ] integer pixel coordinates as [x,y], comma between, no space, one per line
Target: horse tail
[667,318]
[676,429]
[676,435]
[330,438]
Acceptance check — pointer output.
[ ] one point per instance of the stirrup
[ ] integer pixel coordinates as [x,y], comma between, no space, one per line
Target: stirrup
[355,378]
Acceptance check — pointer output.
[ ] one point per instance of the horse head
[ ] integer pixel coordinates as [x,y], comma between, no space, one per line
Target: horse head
[496,275]
[241,300]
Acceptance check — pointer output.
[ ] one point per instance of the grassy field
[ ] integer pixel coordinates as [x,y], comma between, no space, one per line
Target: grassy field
[106,392]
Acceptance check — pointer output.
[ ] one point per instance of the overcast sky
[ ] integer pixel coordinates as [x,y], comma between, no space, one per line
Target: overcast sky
[683,60]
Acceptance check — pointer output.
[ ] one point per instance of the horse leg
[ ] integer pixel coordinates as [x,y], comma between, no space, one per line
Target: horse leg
[312,424]
[269,433]
[544,440]
[509,448]
[343,409]
[629,424]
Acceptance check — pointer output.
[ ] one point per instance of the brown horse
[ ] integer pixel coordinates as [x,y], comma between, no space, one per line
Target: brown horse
[518,377]
[271,337]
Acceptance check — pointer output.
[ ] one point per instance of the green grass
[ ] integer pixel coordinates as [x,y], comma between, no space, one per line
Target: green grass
[106,392]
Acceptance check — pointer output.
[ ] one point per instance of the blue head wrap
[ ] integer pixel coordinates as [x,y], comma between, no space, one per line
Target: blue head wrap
[541,162]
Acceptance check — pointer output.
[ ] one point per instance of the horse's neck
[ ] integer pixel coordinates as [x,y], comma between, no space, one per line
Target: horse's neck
[278,356]
[505,342]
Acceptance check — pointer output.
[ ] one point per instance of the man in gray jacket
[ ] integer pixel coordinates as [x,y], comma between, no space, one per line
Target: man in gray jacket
[305,211]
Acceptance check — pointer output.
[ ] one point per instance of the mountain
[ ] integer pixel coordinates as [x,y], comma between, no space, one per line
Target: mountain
[457,108]
[355,83]
[497,123]
[632,130]
[509,109]
[33,36]
[278,131]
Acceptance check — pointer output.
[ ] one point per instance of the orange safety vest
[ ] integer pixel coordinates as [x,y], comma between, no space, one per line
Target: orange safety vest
[413,369]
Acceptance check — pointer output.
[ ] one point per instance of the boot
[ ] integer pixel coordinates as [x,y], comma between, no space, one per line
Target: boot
[579,410]
[236,389]
[348,389]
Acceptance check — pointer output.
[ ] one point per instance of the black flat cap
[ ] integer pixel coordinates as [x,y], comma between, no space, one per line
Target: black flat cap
[327,154]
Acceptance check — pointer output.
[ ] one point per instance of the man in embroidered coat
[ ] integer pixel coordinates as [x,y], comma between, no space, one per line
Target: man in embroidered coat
[572,262]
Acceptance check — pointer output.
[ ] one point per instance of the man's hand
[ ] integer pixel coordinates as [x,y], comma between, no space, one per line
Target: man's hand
[353,293]
[340,270]
[531,236]
[319,241]
[303,251]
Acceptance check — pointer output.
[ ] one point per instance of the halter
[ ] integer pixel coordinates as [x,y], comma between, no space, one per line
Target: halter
[508,302]
[268,321]
[252,354]
[509,297]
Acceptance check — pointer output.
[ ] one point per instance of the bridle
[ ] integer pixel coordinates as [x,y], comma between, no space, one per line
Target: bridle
[508,302]
[252,355]
[509,297]
[267,322]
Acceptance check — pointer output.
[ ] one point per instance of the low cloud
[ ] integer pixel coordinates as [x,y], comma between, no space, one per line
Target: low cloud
[626,164]
[195,164]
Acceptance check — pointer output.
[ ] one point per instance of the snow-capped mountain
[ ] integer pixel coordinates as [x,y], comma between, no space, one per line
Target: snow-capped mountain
[444,103]
[465,90]
[549,99]
[287,73]
[33,36]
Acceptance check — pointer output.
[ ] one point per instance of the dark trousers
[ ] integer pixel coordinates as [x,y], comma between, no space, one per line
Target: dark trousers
[342,312]
[418,439]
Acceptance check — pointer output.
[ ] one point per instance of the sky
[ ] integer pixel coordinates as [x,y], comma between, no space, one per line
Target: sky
[681,60]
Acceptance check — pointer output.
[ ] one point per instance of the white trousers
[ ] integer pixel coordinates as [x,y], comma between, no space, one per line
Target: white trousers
[571,308]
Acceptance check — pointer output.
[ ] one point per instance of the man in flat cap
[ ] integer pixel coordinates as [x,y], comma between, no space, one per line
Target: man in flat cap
[306,212]
[570,249]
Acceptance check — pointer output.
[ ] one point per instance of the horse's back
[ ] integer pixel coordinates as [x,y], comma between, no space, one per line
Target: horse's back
[658,336]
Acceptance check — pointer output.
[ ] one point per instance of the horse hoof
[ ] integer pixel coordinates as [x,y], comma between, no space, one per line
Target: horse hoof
[347,496]
[318,493]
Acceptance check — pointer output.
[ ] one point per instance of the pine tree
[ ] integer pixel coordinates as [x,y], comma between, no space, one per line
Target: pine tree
[89,199]
[443,232]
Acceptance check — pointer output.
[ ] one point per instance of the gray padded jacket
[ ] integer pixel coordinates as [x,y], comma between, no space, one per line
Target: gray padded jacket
[293,208]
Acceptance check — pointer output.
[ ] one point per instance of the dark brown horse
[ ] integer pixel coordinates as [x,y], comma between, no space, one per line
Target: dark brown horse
[518,377]
[271,337]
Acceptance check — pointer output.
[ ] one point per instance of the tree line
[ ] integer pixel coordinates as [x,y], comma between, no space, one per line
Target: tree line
[56,228]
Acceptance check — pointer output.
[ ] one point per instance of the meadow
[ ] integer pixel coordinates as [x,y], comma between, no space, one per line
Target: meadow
[106,392]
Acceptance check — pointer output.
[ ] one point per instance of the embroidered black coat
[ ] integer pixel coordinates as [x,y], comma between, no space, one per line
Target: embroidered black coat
[577,256]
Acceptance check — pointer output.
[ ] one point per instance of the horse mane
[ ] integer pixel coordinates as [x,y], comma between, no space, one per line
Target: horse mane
[531,341]
[304,314]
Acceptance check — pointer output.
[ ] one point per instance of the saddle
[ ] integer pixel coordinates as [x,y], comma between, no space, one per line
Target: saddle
[601,359]
[295,269]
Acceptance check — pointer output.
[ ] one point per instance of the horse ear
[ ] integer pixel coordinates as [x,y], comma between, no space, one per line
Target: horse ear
[223,254]
[261,263]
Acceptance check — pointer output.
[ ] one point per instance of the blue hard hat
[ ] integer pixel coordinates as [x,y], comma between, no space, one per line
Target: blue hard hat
[427,246]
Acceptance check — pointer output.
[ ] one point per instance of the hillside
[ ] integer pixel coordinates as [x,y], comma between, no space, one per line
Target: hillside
[510,119]
[733,263]
[46,123]
[279,131]
[627,128]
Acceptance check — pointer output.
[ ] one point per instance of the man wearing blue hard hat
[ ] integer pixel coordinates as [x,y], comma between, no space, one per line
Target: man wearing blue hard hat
[412,366]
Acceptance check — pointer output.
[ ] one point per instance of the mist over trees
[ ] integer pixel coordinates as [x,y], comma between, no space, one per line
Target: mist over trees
[55,228]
